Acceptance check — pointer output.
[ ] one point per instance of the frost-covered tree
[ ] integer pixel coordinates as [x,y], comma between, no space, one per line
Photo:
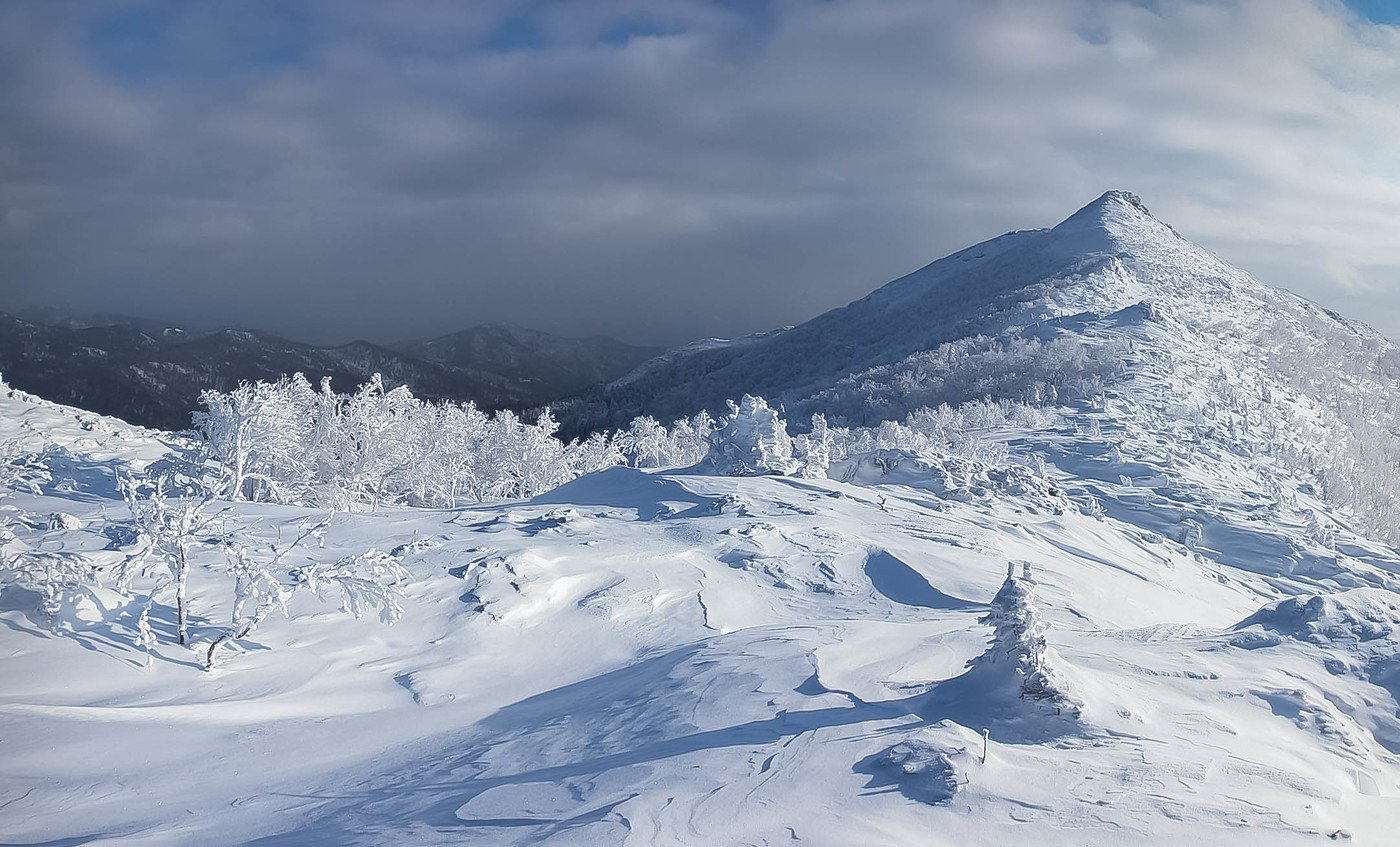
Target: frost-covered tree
[288,442]
[648,444]
[644,444]
[262,434]
[753,441]
[594,453]
[1019,648]
[813,449]
[689,439]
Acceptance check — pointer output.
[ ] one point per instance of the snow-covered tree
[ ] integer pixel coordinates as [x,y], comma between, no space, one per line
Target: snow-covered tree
[813,449]
[645,443]
[594,453]
[689,441]
[1019,649]
[260,432]
[753,441]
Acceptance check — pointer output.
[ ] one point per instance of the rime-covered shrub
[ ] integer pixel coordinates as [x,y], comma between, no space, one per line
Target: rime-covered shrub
[56,577]
[263,584]
[22,470]
[169,529]
[649,444]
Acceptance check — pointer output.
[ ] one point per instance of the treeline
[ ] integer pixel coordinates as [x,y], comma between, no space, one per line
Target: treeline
[291,442]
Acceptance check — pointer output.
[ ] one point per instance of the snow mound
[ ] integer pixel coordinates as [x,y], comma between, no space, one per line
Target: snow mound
[922,769]
[949,477]
[1355,616]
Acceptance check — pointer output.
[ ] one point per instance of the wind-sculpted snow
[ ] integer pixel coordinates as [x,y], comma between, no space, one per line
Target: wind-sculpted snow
[1356,616]
[679,658]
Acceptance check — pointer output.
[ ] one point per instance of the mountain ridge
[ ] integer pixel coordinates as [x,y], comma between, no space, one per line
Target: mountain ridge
[153,377]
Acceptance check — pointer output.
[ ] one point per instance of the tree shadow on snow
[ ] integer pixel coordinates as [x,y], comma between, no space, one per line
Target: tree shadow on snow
[113,634]
[650,495]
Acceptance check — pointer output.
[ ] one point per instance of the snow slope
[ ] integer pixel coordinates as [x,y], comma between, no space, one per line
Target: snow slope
[675,658]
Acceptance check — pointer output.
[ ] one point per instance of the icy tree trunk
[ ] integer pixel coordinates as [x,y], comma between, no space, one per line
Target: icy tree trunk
[182,574]
[230,635]
[240,459]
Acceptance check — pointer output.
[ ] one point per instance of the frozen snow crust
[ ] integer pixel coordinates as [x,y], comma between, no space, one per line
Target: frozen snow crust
[1168,621]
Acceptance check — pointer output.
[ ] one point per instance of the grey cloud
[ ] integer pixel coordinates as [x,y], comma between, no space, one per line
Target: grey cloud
[718,173]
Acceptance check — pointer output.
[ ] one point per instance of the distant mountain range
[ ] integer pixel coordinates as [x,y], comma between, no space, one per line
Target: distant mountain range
[149,373]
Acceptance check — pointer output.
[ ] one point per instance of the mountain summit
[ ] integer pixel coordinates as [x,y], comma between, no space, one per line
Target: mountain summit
[1116,221]
[1029,285]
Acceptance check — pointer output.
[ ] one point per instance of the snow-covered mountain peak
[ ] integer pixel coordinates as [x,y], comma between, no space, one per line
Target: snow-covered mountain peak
[1115,224]
[1113,205]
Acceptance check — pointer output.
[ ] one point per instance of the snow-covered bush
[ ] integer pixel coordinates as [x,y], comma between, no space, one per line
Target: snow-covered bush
[169,528]
[965,432]
[56,577]
[649,444]
[287,442]
[1024,369]
[372,581]
[21,470]
[173,531]
[263,584]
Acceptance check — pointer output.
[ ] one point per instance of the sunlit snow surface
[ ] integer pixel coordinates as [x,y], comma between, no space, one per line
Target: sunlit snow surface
[678,659]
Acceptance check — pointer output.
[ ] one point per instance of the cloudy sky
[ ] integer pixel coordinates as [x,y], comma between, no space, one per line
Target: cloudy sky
[666,169]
